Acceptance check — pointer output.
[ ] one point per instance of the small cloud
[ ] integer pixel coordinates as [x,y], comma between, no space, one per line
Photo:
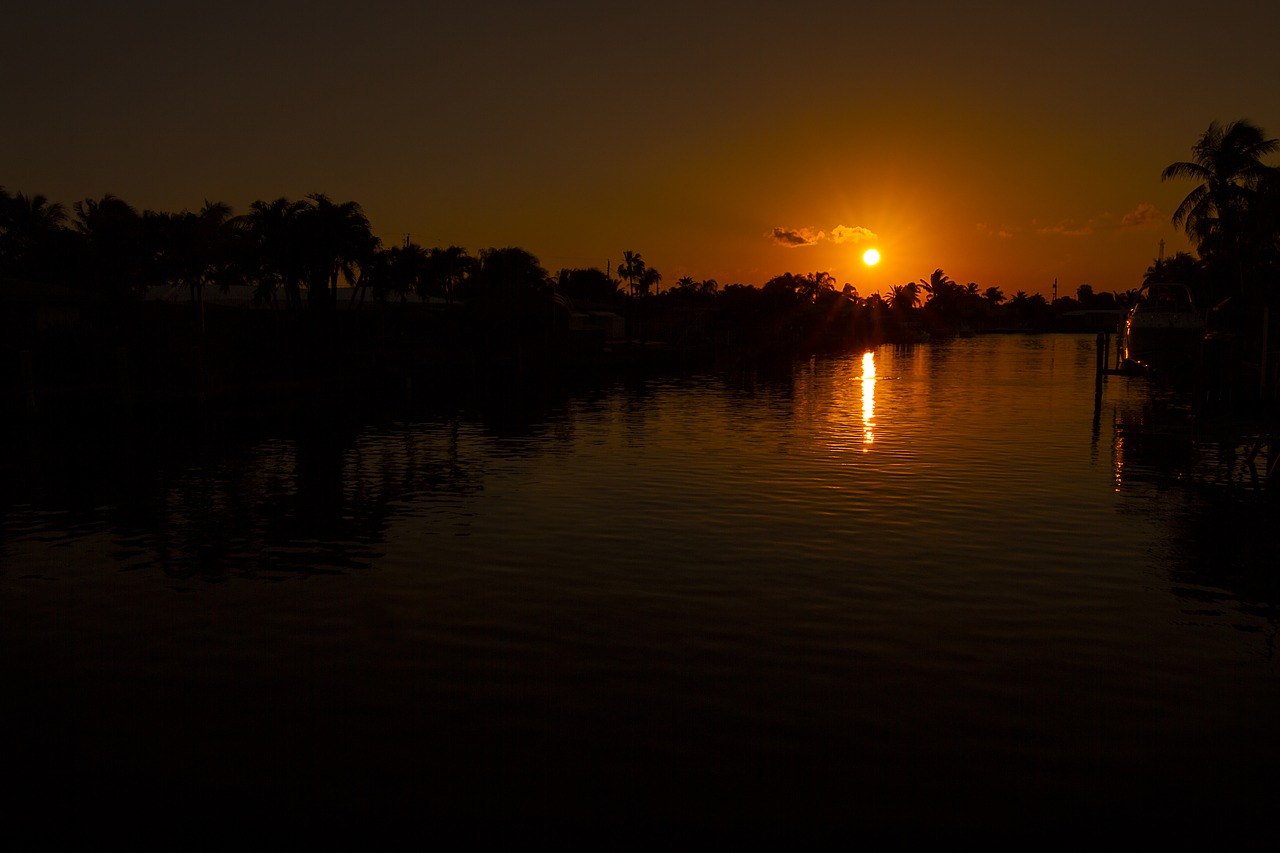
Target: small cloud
[1004,233]
[794,237]
[1066,229]
[1143,216]
[855,234]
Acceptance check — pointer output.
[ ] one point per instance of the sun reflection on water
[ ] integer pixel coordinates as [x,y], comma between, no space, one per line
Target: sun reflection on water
[868,399]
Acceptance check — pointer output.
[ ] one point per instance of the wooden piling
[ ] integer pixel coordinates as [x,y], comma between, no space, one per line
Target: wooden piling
[1100,368]
[1262,359]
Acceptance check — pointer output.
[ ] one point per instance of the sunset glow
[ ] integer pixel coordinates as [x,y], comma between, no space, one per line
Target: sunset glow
[769,181]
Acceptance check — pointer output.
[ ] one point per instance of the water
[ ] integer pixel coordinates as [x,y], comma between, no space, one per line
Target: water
[934,587]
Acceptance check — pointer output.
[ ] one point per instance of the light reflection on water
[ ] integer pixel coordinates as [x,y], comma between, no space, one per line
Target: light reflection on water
[905,585]
[868,398]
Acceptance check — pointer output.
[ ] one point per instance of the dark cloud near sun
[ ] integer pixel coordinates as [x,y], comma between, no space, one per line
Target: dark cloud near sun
[795,237]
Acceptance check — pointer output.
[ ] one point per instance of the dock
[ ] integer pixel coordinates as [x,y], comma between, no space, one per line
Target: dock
[1224,397]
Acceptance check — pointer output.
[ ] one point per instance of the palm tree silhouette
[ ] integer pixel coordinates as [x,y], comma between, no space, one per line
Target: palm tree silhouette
[508,275]
[631,269]
[1179,267]
[31,231]
[275,252]
[649,280]
[195,249]
[447,269]
[1228,165]
[397,271]
[116,249]
[1221,213]
[939,287]
[904,296]
[336,240]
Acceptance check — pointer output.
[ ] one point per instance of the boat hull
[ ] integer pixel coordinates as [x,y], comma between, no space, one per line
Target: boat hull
[1163,331]
[1163,347]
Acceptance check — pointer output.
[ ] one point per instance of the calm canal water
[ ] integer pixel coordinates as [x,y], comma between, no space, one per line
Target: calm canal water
[929,587]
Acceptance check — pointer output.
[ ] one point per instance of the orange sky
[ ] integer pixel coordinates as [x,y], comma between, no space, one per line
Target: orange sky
[1009,146]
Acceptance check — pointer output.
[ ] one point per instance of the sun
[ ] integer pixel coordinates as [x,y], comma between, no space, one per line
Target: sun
[871,257]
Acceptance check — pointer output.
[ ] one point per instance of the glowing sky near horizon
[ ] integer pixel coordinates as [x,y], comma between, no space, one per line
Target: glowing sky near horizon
[1009,145]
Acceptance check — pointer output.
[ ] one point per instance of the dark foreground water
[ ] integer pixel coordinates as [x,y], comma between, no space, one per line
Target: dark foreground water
[957,595]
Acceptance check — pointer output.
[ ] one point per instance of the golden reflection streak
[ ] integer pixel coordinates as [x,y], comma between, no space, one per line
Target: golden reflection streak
[868,399]
[1117,452]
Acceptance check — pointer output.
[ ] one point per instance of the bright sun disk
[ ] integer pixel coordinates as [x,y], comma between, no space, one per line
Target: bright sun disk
[871,257]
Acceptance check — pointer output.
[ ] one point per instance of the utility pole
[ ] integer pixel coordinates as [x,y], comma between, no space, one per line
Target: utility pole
[1055,290]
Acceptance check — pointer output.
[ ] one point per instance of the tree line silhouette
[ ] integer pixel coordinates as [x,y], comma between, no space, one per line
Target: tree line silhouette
[286,250]
[296,255]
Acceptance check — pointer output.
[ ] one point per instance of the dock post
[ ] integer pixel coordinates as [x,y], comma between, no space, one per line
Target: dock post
[200,378]
[1101,362]
[1262,362]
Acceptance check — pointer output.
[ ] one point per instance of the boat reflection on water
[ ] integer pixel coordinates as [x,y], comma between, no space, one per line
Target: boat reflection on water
[1162,439]
[1152,445]
[1163,330]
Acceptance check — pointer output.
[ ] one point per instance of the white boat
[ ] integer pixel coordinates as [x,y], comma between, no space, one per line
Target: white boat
[1163,329]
